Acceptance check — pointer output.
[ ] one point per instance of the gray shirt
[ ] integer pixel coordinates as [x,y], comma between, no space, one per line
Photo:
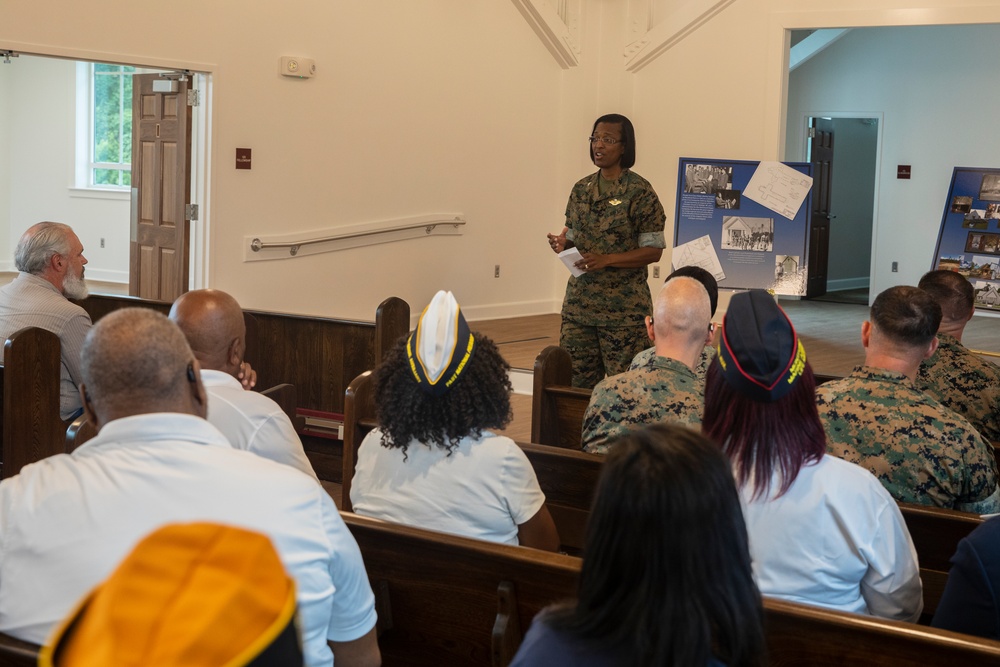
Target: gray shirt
[32,301]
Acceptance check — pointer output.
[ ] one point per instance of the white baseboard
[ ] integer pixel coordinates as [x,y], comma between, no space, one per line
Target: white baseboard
[522,381]
[848,283]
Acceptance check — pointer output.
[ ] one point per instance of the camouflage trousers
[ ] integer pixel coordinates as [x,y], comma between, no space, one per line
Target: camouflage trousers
[598,350]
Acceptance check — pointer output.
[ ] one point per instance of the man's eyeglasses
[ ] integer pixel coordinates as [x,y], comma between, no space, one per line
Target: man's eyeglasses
[607,141]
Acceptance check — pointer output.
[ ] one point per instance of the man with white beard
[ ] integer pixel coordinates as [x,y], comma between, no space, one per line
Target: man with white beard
[50,259]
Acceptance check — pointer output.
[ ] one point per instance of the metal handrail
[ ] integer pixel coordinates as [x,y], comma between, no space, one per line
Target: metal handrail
[257,245]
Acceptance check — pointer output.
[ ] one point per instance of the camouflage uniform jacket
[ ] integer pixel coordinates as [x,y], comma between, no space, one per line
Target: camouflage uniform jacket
[700,369]
[627,217]
[965,383]
[921,451]
[664,390]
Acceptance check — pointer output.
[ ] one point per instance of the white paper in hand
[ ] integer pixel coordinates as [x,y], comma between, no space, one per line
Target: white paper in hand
[570,257]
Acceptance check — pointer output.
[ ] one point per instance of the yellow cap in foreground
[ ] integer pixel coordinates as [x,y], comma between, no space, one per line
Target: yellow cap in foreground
[197,595]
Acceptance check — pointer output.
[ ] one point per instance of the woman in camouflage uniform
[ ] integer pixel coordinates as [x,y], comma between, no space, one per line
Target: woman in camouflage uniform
[616,220]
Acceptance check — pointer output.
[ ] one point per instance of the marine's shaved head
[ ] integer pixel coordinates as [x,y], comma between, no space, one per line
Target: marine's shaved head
[212,322]
[682,311]
[136,361]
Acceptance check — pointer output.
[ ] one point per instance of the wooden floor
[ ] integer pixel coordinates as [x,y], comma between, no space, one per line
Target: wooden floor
[830,332]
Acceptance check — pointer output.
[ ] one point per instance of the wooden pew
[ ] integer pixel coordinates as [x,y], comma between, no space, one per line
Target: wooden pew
[319,355]
[32,428]
[444,599]
[557,409]
[449,600]
[16,653]
[936,533]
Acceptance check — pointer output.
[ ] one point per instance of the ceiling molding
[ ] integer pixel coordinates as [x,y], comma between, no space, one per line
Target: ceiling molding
[678,25]
[814,45]
[558,30]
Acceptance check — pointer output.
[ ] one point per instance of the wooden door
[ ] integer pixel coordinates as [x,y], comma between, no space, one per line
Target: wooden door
[161,186]
[821,156]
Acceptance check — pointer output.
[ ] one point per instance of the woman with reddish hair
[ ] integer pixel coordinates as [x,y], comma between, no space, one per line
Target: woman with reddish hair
[822,530]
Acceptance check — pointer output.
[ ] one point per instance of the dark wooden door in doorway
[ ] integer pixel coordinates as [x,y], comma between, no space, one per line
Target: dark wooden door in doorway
[821,157]
[161,186]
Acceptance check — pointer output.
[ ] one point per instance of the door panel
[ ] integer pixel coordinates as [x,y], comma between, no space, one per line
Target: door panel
[161,179]
[821,156]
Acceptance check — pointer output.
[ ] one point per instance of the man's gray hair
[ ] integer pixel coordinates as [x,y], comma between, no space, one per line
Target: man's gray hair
[39,243]
[136,357]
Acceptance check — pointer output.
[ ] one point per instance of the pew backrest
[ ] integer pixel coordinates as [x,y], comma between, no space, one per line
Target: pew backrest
[557,408]
[449,600]
[441,599]
[936,532]
[16,653]
[32,428]
[319,355]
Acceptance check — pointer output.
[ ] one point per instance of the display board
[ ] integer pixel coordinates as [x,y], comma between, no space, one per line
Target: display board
[746,222]
[969,241]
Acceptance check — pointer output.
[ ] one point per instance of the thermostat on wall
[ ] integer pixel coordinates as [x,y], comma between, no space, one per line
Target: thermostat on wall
[298,68]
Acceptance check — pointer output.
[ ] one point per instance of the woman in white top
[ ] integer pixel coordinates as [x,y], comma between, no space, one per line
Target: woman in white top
[822,531]
[432,463]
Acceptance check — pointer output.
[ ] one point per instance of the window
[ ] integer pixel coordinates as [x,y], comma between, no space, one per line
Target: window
[110,164]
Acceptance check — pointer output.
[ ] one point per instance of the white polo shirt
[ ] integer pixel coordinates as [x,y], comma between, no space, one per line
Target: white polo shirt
[484,489]
[253,422]
[836,539]
[68,520]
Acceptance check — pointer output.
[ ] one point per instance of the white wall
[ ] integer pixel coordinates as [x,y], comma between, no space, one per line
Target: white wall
[5,101]
[445,105]
[417,108]
[39,162]
[934,86]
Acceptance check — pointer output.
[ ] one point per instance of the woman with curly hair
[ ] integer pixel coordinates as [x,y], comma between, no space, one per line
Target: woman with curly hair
[432,463]
[822,530]
[666,576]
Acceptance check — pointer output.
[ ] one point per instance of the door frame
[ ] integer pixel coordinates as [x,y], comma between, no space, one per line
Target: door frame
[803,124]
[201,135]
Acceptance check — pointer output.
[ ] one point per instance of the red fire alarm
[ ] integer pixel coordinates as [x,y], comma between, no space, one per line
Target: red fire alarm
[242,158]
[903,171]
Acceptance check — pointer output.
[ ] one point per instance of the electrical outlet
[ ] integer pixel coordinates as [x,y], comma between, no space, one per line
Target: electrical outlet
[102,241]
[656,272]
[895,267]
[496,271]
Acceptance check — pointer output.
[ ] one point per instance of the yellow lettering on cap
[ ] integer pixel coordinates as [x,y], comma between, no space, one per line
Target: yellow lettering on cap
[798,364]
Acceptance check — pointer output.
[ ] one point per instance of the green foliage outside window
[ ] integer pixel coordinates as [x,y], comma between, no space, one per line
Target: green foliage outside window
[112,139]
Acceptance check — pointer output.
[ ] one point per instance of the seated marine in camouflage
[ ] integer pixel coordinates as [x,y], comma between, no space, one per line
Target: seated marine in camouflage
[708,352]
[954,375]
[921,451]
[666,389]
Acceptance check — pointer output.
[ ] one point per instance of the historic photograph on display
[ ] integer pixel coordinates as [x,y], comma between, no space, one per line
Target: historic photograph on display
[707,179]
[961,204]
[986,268]
[993,211]
[986,243]
[739,233]
[990,189]
[987,294]
[955,263]
[975,223]
[727,199]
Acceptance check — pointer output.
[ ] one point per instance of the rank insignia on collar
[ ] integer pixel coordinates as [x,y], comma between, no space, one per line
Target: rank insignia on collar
[614,202]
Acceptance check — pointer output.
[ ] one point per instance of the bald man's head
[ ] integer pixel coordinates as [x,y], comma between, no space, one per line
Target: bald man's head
[212,322]
[136,361]
[682,312]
